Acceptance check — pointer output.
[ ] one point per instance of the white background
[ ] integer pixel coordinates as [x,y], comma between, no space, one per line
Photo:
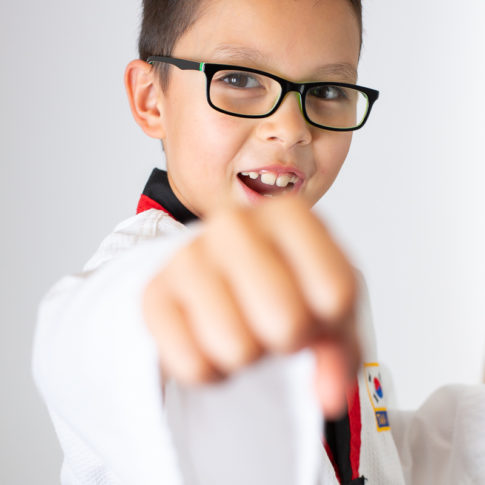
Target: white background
[408,205]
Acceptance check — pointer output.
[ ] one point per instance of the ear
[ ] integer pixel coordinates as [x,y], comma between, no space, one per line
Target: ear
[145,97]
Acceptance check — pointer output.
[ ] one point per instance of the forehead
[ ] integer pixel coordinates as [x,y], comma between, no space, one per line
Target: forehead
[295,38]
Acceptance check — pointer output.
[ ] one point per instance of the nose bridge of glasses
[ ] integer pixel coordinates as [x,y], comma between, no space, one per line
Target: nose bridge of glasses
[287,88]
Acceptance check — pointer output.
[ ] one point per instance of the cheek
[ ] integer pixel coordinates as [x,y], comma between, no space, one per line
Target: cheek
[208,138]
[202,146]
[330,151]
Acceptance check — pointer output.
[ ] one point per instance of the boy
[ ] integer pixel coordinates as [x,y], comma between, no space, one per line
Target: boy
[255,103]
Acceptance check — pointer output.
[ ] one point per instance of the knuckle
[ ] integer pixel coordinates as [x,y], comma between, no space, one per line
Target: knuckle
[227,225]
[240,355]
[184,269]
[185,258]
[297,209]
[192,371]
[232,218]
[289,332]
[290,203]
[231,345]
[283,209]
[342,296]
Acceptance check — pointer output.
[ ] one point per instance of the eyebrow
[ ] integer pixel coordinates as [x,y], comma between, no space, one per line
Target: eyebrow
[340,70]
[225,51]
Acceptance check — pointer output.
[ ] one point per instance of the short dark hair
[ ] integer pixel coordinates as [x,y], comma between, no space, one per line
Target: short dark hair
[165,21]
[357,6]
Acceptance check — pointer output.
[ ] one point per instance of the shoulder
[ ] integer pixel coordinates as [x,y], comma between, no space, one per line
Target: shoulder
[127,234]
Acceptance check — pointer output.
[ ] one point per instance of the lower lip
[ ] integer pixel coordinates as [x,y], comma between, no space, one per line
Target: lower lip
[255,197]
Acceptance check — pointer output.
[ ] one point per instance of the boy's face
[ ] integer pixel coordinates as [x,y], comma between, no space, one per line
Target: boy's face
[207,151]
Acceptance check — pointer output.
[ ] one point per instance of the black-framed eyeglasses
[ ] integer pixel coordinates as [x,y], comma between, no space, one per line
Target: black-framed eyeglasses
[251,93]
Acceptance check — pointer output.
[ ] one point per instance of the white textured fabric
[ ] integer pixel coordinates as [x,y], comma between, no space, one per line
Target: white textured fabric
[131,232]
[379,460]
[443,442]
[260,426]
[97,368]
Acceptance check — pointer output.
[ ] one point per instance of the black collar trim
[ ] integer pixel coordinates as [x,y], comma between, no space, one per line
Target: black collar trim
[158,189]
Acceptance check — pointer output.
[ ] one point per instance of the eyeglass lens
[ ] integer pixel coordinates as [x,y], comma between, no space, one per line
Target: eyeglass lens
[252,94]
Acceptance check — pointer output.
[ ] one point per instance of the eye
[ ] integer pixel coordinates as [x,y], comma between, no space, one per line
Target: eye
[330,93]
[240,80]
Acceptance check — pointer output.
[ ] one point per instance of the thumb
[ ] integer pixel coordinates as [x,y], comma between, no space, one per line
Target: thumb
[335,374]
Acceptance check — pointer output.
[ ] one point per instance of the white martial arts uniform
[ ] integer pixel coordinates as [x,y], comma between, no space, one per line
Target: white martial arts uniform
[97,369]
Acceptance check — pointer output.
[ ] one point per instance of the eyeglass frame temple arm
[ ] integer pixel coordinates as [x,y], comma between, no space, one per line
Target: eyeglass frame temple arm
[180,63]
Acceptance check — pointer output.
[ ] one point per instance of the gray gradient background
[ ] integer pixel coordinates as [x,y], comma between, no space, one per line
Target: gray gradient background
[408,205]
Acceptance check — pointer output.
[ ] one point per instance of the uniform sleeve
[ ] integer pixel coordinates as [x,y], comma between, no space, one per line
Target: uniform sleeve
[443,442]
[97,369]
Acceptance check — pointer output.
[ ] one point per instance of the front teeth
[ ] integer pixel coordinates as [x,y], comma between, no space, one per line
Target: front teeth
[270,178]
[283,180]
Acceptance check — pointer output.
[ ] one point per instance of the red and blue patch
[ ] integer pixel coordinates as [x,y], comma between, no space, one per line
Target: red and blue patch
[373,381]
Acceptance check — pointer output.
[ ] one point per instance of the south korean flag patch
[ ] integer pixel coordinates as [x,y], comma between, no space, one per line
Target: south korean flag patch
[373,381]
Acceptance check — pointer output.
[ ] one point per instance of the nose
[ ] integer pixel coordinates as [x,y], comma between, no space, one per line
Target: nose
[286,125]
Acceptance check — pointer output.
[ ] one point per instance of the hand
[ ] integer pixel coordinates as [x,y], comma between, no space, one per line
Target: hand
[258,280]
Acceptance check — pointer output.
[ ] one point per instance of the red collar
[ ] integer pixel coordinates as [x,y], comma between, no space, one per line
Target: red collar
[158,195]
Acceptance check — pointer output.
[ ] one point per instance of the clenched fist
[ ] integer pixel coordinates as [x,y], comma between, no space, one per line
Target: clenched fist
[268,279]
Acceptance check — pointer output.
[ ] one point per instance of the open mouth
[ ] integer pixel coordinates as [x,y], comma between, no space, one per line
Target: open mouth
[269,184]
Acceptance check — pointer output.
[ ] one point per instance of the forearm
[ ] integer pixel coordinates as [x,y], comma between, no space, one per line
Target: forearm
[97,367]
[443,441]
